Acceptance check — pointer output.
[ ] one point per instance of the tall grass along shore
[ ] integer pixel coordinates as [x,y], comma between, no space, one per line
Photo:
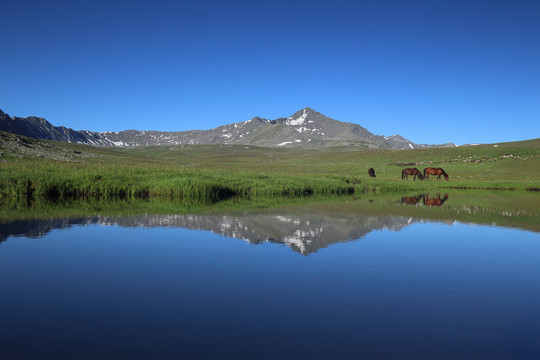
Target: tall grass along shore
[36,168]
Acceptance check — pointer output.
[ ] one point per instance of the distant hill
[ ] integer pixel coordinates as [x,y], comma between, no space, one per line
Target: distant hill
[521,143]
[525,143]
[305,128]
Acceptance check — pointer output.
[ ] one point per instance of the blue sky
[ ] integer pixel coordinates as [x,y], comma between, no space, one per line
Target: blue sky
[433,71]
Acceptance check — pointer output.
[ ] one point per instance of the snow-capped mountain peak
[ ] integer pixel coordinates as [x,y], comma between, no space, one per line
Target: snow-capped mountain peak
[305,128]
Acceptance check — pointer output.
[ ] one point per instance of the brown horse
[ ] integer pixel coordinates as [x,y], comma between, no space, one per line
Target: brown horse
[435,171]
[435,202]
[411,171]
[411,200]
[371,172]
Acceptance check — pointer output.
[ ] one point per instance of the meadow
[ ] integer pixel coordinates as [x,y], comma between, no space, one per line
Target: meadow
[31,168]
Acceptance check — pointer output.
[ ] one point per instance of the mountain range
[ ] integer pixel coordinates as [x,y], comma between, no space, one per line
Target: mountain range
[305,128]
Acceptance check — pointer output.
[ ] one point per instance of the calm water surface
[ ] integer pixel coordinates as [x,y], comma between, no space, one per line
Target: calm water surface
[299,282]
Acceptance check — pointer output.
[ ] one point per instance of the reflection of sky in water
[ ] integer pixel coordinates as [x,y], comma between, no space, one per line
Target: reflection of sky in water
[426,290]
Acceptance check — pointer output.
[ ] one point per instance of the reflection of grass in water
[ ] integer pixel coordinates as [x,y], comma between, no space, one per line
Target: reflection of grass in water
[43,208]
[499,208]
[510,209]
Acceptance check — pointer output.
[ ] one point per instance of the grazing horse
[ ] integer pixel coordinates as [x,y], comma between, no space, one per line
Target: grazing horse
[371,172]
[411,171]
[435,202]
[435,171]
[411,200]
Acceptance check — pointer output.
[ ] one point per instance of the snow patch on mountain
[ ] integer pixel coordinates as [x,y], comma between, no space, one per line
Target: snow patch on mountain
[298,121]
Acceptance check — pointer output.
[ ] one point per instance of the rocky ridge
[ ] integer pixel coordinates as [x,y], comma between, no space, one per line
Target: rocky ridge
[305,128]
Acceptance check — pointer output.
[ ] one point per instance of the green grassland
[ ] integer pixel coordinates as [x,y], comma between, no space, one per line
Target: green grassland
[31,168]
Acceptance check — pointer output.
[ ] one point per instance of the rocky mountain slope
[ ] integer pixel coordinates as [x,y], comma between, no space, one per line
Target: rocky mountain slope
[306,128]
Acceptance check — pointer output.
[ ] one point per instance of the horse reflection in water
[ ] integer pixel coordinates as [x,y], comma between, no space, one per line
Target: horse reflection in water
[411,200]
[435,201]
[426,200]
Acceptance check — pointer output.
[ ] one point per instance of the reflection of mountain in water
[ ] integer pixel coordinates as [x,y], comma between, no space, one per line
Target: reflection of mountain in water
[304,233]
[35,228]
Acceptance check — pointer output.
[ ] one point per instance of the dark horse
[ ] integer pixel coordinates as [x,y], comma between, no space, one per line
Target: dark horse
[371,172]
[435,202]
[411,171]
[435,171]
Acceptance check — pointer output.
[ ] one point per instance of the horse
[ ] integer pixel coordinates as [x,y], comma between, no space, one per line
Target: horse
[371,172]
[435,202]
[435,171]
[411,171]
[411,200]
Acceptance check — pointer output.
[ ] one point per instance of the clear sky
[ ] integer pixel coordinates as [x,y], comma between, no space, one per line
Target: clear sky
[433,71]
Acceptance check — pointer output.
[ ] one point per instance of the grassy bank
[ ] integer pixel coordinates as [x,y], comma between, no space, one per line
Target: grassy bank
[66,180]
[34,168]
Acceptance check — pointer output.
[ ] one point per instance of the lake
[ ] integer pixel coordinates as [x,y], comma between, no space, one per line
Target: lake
[378,276]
